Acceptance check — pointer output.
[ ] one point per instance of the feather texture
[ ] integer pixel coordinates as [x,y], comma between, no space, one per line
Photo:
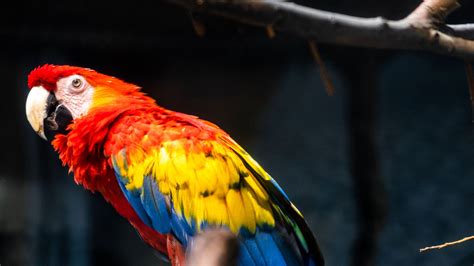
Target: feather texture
[191,177]
[173,175]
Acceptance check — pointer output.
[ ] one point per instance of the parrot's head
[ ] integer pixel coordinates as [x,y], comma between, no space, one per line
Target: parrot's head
[61,94]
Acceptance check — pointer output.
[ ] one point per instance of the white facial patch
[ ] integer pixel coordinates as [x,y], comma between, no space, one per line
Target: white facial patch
[75,94]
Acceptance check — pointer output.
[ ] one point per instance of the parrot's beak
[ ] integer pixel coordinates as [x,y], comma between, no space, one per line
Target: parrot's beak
[46,115]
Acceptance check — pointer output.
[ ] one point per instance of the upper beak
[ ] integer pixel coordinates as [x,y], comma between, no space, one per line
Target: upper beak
[36,105]
[46,115]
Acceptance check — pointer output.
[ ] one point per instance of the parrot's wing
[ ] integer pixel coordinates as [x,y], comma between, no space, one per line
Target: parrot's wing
[187,184]
[293,220]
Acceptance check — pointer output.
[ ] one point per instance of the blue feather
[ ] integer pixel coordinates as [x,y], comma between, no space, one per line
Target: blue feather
[180,228]
[254,251]
[311,262]
[268,247]
[279,188]
[154,204]
[270,251]
[133,198]
[245,258]
[291,257]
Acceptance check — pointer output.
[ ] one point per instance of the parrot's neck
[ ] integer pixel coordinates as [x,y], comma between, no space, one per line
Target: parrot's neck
[82,148]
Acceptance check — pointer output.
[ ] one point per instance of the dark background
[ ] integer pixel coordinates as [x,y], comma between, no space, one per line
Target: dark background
[379,170]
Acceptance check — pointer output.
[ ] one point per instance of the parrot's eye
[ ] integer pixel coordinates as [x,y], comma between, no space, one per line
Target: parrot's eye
[76,83]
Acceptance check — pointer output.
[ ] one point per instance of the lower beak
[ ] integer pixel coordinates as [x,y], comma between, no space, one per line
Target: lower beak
[46,115]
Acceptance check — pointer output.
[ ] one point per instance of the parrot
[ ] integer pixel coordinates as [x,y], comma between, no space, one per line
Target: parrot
[170,174]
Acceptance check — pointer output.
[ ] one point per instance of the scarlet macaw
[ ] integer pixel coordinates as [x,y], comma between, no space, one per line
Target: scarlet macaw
[171,175]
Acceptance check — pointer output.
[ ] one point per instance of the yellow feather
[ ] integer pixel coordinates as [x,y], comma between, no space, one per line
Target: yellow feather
[164,187]
[256,187]
[120,163]
[207,176]
[198,211]
[225,177]
[216,210]
[234,176]
[250,218]
[159,171]
[263,213]
[187,204]
[237,211]
[194,162]
[164,157]
[202,187]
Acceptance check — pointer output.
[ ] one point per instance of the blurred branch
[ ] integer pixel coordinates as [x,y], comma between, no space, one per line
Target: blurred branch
[448,244]
[214,247]
[369,188]
[198,26]
[423,29]
[470,83]
[323,72]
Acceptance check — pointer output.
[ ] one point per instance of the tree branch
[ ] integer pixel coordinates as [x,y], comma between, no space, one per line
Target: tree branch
[465,31]
[423,29]
[433,12]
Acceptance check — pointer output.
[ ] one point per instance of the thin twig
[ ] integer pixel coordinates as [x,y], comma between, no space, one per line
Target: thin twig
[323,72]
[448,244]
[198,26]
[270,32]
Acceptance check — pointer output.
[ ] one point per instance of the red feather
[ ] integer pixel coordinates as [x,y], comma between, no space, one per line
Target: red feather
[47,75]
[82,149]
[92,138]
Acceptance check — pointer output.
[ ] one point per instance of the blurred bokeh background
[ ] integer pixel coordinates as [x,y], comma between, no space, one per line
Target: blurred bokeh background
[382,168]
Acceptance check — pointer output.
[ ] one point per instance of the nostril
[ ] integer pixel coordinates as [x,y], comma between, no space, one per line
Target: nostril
[50,122]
